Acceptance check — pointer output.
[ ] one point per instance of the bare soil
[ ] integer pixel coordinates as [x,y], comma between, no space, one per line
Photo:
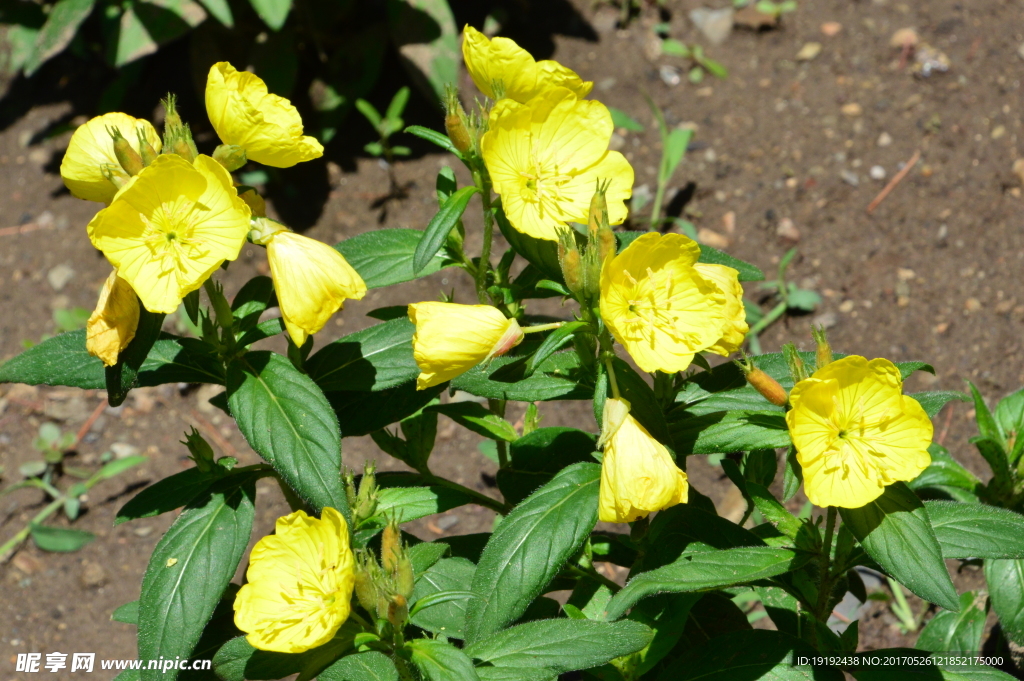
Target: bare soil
[933,274]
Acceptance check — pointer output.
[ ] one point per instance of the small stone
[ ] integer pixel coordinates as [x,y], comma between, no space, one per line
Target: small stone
[808,52]
[826,319]
[27,563]
[715,24]
[904,37]
[204,395]
[1020,51]
[446,522]
[59,276]
[787,230]
[831,28]
[93,575]
[846,306]
[877,173]
[940,328]
[729,223]
[710,155]
[884,140]
[142,531]
[972,304]
[904,274]
[1018,168]
[123,450]
[670,75]
[998,131]
[712,238]
[853,109]
[849,177]
[706,91]
[617,142]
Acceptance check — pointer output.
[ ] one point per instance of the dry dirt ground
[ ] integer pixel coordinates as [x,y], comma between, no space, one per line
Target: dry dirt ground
[933,274]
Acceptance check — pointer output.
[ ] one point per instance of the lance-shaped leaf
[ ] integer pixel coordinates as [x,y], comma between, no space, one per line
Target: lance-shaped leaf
[554,342]
[475,417]
[189,570]
[1005,580]
[236,660]
[375,358]
[945,477]
[955,631]
[728,431]
[933,402]
[59,30]
[435,137]
[368,666]
[895,531]
[439,226]
[966,530]
[452,576]
[384,257]
[273,12]
[124,375]
[288,421]
[440,661]
[530,546]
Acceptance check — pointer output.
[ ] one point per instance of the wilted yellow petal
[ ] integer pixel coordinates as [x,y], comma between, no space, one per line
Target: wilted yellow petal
[657,305]
[171,227]
[501,69]
[114,321]
[312,281]
[451,339]
[91,148]
[638,475]
[855,432]
[545,157]
[245,114]
[300,581]
[735,329]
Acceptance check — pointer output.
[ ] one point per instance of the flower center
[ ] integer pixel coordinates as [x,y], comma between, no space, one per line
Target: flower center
[855,439]
[653,300]
[543,180]
[168,233]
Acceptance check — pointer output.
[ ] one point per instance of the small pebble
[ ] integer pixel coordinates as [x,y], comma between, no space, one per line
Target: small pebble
[831,28]
[787,230]
[123,450]
[670,75]
[904,36]
[712,238]
[93,575]
[825,319]
[446,522]
[849,177]
[846,306]
[59,276]
[972,304]
[877,173]
[853,109]
[808,52]
[884,140]
[1018,168]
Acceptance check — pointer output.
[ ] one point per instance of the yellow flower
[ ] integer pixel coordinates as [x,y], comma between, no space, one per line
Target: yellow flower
[300,581]
[312,281]
[243,113]
[451,339]
[501,69]
[91,149]
[545,157]
[112,325]
[735,328]
[638,475]
[171,227]
[855,432]
[657,304]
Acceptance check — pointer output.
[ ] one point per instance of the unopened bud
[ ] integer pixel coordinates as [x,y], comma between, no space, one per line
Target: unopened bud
[349,479]
[126,156]
[823,355]
[230,156]
[398,611]
[598,215]
[199,450]
[570,261]
[146,150]
[172,121]
[221,306]
[797,369]
[405,577]
[455,126]
[182,148]
[262,230]
[366,500]
[769,388]
[390,547]
[366,590]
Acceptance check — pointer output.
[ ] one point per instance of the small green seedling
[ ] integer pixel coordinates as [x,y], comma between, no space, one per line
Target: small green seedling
[700,63]
[788,295]
[386,125]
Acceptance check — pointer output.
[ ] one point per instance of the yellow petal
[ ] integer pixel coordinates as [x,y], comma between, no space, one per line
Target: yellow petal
[245,114]
[855,432]
[300,584]
[112,325]
[91,147]
[638,476]
[312,281]
[451,339]
[657,305]
[735,328]
[171,228]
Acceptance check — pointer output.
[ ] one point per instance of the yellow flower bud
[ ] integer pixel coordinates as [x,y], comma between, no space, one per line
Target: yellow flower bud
[451,339]
[312,281]
[823,355]
[398,611]
[230,156]
[769,388]
[390,547]
[638,475]
[112,325]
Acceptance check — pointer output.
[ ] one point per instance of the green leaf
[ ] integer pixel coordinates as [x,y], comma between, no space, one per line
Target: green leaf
[406,504]
[536,457]
[237,660]
[61,360]
[727,431]
[530,546]
[440,661]
[987,426]
[621,119]
[1009,419]
[673,531]
[667,617]
[438,138]
[57,33]
[516,674]
[946,476]
[284,417]
[385,257]
[449,575]
[220,10]
[976,531]
[189,570]
[124,375]
[166,495]
[933,402]
[118,466]
[673,152]
[750,654]
[361,413]
[894,530]
[251,301]
[127,613]
[475,417]
[440,226]
[562,645]
[714,256]
[375,358]
[273,12]
[772,510]
[173,359]
[955,631]
[144,26]
[703,571]
[59,539]
[427,39]
[504,379]
[369,666]
[425,555]
[554,342]
[1005,580]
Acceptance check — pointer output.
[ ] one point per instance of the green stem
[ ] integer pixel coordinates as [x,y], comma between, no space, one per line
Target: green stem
[824,578]
[14,541]
[498,409]
[611,378]
[541,327]
[768,319]
[594,575]
[480,499]
[902,609]
[483,182]
[659,197]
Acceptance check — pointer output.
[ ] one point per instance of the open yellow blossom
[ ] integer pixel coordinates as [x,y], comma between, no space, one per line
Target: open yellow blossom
[171,227]
[300,581]
[91,149]
[500,69]
[245,114]
[657,304]
[312,281]
[113,323]
[638,475]
[545,157]
[735,328]
[856,432]
[451,339]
